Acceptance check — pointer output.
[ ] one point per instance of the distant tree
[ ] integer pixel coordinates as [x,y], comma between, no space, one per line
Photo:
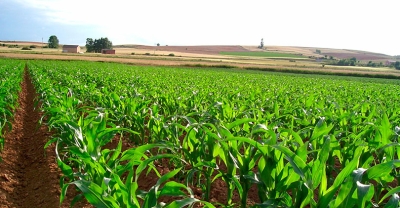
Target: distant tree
[371,64]
[53,41]
[347,62]
[318,51]
[397,65]
[89,45]
[98,44]
[158,44]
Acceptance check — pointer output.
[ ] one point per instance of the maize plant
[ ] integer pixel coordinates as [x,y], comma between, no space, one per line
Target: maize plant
[11,73]
[300,140]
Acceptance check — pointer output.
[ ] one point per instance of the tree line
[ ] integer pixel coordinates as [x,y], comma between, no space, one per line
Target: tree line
[95,45]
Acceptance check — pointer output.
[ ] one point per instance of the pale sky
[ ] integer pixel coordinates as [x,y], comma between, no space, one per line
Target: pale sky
[345,24]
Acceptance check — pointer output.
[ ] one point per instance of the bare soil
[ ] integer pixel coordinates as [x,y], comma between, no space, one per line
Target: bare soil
[196,49]
[29,175]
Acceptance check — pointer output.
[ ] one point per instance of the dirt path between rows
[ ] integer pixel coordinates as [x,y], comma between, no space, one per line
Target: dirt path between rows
[29,176]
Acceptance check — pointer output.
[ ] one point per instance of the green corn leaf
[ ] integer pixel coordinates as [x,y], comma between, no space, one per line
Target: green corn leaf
[340,178]
[172,188]
[390,193]
[152,196]
[188,202]
[296,162]
[64,188]
[146,163]
[66,169]
[364,193]
[393,202]
[48,143]
[239,122]
[93,193]
[382,169]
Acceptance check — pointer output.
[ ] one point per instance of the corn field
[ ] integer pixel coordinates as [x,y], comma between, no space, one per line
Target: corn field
[11,77]
[301,140]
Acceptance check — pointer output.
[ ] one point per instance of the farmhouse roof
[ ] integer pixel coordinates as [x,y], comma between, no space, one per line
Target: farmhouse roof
[70,46]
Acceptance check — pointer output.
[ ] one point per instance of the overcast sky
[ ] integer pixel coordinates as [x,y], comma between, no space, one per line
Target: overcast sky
[345,24]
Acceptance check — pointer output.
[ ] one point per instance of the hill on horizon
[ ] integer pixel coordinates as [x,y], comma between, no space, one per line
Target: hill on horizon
[217,49]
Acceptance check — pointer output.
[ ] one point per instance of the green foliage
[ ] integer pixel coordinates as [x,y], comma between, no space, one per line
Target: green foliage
[373,64]
[397,65]
[347,62]
[32,46]
[171,54]
[302,140]
[53,42]
[26,48]
[98,44]
[318,51]
[11,72]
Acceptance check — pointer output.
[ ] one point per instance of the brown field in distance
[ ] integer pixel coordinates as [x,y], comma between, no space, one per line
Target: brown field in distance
[208,56]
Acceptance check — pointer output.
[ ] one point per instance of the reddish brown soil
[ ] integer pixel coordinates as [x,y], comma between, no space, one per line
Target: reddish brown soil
[29,176]
[212,50]
[359,56]
[218,192]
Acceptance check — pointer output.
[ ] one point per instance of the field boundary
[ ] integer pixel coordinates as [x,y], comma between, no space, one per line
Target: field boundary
[209,64]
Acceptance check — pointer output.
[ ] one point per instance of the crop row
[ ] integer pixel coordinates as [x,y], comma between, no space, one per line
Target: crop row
[301,140]
[11,77]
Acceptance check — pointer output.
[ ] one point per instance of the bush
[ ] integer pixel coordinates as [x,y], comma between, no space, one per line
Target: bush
[397,65]
[371,64]
[147,54]
[45,46]
[171,54]
[347,62]
[26,48]
[132,53]
[32,46]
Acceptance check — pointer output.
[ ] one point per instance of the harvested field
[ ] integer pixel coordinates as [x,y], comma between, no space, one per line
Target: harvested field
[210,50]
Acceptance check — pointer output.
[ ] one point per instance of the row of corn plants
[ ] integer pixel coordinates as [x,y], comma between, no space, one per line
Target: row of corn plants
[11,72]
[314,141]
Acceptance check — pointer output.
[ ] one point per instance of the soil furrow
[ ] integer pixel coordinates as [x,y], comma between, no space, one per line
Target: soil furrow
[29,176]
